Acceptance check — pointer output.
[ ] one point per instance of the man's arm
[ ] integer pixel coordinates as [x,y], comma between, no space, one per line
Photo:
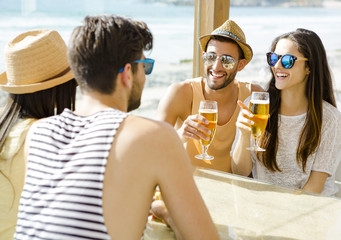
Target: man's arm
[177,103]
[144,154]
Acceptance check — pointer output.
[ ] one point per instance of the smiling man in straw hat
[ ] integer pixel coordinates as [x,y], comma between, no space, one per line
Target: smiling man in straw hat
[225,52]
[40,84]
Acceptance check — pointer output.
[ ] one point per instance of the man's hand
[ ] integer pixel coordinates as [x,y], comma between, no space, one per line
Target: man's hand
[192,128]
[160,211]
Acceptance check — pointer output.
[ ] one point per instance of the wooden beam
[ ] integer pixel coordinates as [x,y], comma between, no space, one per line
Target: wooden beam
[209,14]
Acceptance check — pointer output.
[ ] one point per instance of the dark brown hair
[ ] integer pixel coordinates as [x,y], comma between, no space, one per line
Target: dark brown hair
[36,105]
[319,87]
[102,46]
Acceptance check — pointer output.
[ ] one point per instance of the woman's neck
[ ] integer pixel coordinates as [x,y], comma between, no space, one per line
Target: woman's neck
[293,103]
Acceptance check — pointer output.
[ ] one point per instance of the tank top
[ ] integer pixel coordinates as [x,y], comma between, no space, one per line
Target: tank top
[222,142]
[62,196]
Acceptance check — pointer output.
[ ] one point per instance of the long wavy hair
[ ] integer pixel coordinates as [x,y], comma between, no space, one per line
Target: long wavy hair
[319,87]
[36,105]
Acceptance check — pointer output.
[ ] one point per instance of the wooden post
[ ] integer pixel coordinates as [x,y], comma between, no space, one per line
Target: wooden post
[209,14]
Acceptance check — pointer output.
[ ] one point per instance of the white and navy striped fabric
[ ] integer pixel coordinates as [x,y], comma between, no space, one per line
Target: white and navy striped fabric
[62,196]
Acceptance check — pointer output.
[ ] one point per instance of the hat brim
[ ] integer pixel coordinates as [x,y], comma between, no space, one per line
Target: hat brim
[248,53]
[35,87]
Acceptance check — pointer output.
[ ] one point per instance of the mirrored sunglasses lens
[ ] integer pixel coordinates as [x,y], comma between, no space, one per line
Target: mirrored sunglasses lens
[287,61]
[227,62]
[272,59]
[209,58]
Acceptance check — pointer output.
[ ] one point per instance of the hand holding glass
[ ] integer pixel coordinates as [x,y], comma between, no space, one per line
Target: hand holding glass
[209,110]
[259,106]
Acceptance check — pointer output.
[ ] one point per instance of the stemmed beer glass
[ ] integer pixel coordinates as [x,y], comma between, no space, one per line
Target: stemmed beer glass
[209,110]
[259,106]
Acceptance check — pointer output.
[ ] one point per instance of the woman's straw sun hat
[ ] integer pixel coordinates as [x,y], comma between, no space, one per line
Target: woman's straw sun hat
[35,60]
[231,30]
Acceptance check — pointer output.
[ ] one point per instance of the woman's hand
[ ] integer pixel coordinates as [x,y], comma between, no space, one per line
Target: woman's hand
[244,119]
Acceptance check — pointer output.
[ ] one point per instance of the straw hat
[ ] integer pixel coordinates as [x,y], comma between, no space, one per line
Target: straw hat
[35,60]
[231,30]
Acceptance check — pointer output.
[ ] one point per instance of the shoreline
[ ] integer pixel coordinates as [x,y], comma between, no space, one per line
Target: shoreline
[164,74]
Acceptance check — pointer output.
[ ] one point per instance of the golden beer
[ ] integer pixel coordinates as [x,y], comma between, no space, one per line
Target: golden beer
[211,116]
[260,109]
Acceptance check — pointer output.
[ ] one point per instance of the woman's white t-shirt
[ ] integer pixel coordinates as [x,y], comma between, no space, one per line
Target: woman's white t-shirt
[325,159]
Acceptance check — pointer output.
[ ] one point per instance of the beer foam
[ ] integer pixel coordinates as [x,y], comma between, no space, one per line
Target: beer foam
[259,101]
[208,110]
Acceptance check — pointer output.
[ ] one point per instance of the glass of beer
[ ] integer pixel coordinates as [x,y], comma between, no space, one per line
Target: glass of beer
[209,110]
[259,106]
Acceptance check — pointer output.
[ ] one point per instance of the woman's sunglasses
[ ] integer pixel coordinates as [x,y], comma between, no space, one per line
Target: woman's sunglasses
[287,60]
[227,62]
[147,66]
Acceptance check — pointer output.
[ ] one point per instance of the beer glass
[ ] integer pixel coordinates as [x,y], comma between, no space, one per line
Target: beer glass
[209,110]
[259,106]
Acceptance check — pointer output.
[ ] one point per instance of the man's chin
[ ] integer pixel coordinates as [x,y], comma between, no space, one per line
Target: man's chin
[221,86]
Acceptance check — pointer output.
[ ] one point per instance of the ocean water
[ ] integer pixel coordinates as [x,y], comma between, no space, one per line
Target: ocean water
[173,27]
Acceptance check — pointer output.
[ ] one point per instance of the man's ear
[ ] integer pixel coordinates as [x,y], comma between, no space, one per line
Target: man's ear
[127,76]
[242,64]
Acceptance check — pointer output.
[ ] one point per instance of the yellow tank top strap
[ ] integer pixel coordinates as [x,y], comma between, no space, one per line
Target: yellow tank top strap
[198,94]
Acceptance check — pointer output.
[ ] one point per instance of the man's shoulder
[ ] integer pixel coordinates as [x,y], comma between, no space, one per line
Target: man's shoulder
[144,134]
[186,85]
[179,93]
[141,126]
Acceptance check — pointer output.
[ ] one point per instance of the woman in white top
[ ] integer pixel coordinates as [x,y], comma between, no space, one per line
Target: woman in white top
[302,137]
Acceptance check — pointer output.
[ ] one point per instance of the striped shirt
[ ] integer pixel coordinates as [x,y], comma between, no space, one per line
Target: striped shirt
[62,196]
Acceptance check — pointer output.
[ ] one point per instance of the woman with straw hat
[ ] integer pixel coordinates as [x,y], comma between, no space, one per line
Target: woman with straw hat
[40,84]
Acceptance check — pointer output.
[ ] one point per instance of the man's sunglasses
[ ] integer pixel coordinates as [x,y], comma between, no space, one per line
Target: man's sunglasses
[227,62]
[147,66]
[287,60]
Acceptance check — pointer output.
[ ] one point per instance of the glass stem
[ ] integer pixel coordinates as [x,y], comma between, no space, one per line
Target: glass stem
[204,149]
[256,141]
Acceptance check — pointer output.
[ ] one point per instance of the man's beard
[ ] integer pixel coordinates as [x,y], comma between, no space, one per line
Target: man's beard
[227,81]
[135,97]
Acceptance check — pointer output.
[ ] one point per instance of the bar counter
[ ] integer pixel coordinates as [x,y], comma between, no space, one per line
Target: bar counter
[244,208]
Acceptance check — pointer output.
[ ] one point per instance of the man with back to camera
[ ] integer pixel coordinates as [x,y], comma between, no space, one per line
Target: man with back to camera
[91,174]
[225,53]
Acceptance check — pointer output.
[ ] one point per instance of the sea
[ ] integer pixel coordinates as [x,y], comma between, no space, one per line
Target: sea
[173,26]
